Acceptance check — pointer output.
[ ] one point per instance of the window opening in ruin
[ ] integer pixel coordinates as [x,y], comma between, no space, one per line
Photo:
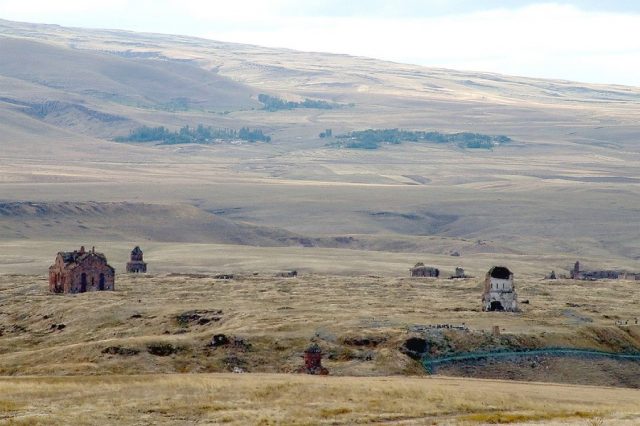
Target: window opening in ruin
[83,282]
[101,284]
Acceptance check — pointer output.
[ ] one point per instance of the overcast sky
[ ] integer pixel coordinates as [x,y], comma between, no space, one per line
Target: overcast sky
[585,40]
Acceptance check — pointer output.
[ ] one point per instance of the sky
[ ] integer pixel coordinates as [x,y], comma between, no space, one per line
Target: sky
[595,41]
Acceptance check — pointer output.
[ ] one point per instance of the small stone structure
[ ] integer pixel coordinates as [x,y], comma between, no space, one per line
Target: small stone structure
[499,291]
[223,276]
[419,270]
[79,271]
[313,361]
[287,274]
[136,265]
[459,273]
[577,274]
[425,328]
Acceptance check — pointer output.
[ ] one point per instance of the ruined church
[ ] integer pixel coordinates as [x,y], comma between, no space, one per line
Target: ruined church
[499,291]
[79,271]
[420,270]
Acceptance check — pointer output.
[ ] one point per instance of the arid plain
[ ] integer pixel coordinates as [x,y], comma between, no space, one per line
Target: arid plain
[350,221]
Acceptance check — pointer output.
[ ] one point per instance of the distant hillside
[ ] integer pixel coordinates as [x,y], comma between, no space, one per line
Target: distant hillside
[126,220]
[84,76]
[150,83]
[566,183]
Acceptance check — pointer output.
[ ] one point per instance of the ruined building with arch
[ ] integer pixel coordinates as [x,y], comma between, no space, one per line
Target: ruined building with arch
[499,291]
[79,271]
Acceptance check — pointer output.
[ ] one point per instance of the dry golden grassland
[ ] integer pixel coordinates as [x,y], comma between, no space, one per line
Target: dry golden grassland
[304,400]
[278,317]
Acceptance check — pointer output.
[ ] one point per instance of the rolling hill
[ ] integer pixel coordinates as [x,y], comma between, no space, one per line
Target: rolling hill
[565,186]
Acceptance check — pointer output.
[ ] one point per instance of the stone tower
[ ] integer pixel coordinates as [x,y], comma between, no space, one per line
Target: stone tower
[136,264]
[575,273]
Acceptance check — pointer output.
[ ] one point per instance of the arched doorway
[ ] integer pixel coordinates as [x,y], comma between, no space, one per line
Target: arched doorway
[83,282]
[101,282]
[496,306]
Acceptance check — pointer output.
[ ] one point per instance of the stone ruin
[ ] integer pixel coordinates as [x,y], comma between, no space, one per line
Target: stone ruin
[459,273]
[136,265]
[420,270]
[633,276]
[499,291]
[80,271]
[287,274]
[425,328]
[577,274]
[313,361]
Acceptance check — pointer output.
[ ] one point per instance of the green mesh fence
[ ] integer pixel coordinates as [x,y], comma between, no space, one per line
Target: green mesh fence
[432,363]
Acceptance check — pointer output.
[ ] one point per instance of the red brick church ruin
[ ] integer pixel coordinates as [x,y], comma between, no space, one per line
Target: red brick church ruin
[79,271]
[136,265]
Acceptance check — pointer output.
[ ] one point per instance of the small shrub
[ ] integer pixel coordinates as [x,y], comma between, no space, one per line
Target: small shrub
[162,349]
[119,350]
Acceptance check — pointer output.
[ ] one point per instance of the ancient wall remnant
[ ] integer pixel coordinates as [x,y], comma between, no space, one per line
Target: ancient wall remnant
[578,274]
[136,264]
[499,291]
[459,273]
[420,270]
[633,276]
[79,271]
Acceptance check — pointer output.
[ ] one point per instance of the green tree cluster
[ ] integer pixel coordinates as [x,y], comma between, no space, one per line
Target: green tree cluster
[199,135]
[373,138]
[273,103]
